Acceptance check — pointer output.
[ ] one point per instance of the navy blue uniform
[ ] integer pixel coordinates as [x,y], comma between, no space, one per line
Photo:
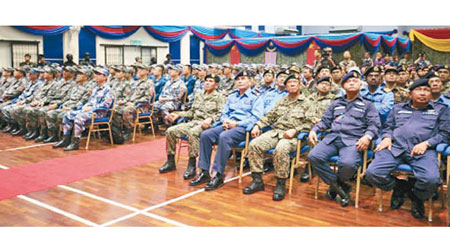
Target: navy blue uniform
[246,110]
[348,121]
[408,127]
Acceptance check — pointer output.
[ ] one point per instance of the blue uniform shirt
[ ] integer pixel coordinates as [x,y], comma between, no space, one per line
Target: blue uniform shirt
[29,90]
[190,83]
[384,101]
[444,100]
[242,108]
[349,120]
[407,126]
[270,98]
[159,86]
[264,89]
[102,97]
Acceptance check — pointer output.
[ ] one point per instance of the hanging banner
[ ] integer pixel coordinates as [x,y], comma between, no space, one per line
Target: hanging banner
[440,43]
[43,30]
[235,55]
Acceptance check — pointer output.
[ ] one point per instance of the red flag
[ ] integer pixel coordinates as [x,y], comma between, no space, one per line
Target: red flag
[310,52]
[235,55]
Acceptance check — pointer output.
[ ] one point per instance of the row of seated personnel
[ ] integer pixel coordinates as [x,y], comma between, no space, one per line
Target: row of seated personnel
[409,135]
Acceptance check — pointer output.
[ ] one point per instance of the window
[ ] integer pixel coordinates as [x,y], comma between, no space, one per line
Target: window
[126,54]
[147,54]
[114,55]
[19,49]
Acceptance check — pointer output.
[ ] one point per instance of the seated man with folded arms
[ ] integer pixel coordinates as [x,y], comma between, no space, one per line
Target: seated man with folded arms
[354,122]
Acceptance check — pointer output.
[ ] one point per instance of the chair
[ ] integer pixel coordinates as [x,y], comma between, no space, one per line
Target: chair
[143,117]
[406,169]
[95,123]
[295,156]
[366,157]
[181,141]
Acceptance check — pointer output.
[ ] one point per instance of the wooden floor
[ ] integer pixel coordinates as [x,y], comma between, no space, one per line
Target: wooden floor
[141,197]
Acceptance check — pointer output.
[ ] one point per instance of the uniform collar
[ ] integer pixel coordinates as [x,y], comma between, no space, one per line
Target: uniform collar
[409,104]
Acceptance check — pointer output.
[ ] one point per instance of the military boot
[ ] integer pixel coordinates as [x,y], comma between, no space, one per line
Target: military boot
[190,170]
[15,128]
[2,124]
[53,137]
[8,128]
[126,133]
[398,195]
[63,143]
[43,136]
[345,197]
[22,130]
[74,145]
[169,165]
[30,131]
[34,134]
[280,189]
[256,185]
[417,206]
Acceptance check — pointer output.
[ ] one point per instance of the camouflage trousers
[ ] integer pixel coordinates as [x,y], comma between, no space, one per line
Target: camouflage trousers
[17,113]
[54,118]
[35,116]
[162,109]
[192,130]
[125,115]
[76,120]
[281,161]
[5,109]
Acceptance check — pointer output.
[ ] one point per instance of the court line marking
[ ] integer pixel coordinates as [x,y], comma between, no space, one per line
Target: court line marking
[58,211]
[145,210]
[25,147]
[4,167]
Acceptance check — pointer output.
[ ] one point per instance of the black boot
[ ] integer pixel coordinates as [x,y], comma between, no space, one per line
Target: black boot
[169,165]
[126,133]
[43,136]
[203,177]
[280,190]
[34,134]
[400,189]
[305,176]
[215,183]
[63,143]
[53,137]
[256,185]
[2,124]
[190,170]
[7,129]
[22,130]
[417,207]
[74,145]
[30,131]
[15,128]
[345,197]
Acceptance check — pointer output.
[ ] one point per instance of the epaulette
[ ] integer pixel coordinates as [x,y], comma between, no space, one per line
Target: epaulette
[256,92]
[367,99]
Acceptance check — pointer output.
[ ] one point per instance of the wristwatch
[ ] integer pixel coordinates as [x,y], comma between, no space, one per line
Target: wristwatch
[428,144]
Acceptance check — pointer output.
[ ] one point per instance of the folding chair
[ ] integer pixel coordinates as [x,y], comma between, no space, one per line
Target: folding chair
[143,117]
[95,123]
[406,169]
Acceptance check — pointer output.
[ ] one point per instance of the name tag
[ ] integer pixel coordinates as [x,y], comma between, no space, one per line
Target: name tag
[404,112]
[360,103]
[340,107]
[429,112]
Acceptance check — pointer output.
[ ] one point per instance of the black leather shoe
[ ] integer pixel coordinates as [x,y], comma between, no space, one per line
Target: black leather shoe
[74,145]
[30,131]
[53,138]
[63,143]
[203,177]
[344,196]
[304,177]
[398,195]
[331,195]
[20,132]
[417,206]
[42,137]
[33,135]
[169,165]
[280,190]
[190,170]
[256,185]
[7,129]
[215,183]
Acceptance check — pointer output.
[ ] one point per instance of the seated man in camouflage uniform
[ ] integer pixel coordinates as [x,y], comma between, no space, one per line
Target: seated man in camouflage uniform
[30,89]
[171,96]
[288,119]
[142,92]
[102,97]
[205,111]
[198,86]
[14,90]
[54,99]
[37,100]
[227,83]
[76,97]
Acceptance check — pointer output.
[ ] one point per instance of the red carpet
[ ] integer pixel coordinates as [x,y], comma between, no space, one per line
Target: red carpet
[46,174]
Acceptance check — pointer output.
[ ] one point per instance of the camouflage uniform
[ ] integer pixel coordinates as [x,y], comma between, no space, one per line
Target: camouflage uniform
[122,94]
[142,92]
[226,86]
[287,114]
[30,89]
[54,96]
[5,83]
[446,90]
[76,97]
[15,88]
[102,97]
[317,105]
[205,106]
[401,94]
[174,91]
[198,87]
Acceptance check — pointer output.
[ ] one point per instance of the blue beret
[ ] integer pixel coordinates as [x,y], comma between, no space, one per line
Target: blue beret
[243,73]
[324,79]
[268,72]
[286,72]
[102,71]
[418,83]
[349,75]
[391,69]
[375,68]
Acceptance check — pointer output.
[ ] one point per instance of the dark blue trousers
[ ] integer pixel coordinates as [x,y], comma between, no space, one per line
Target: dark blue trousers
[349,160]
[425,168]
[225,139]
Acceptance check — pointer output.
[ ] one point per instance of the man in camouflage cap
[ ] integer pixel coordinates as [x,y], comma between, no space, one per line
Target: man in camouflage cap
[6,80]
[288,119]
[14,90]
[444,74]
[205,111]
[198,87]
[227,83]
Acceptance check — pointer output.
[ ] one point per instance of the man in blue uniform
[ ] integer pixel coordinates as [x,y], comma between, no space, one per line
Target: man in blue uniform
[271,97]
[384,101]
[241,111]
[354,122]
[437,88]
[412,131]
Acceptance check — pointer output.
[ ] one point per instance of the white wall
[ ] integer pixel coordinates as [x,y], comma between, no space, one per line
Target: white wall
[140,35]
[185,48]
[9,33]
